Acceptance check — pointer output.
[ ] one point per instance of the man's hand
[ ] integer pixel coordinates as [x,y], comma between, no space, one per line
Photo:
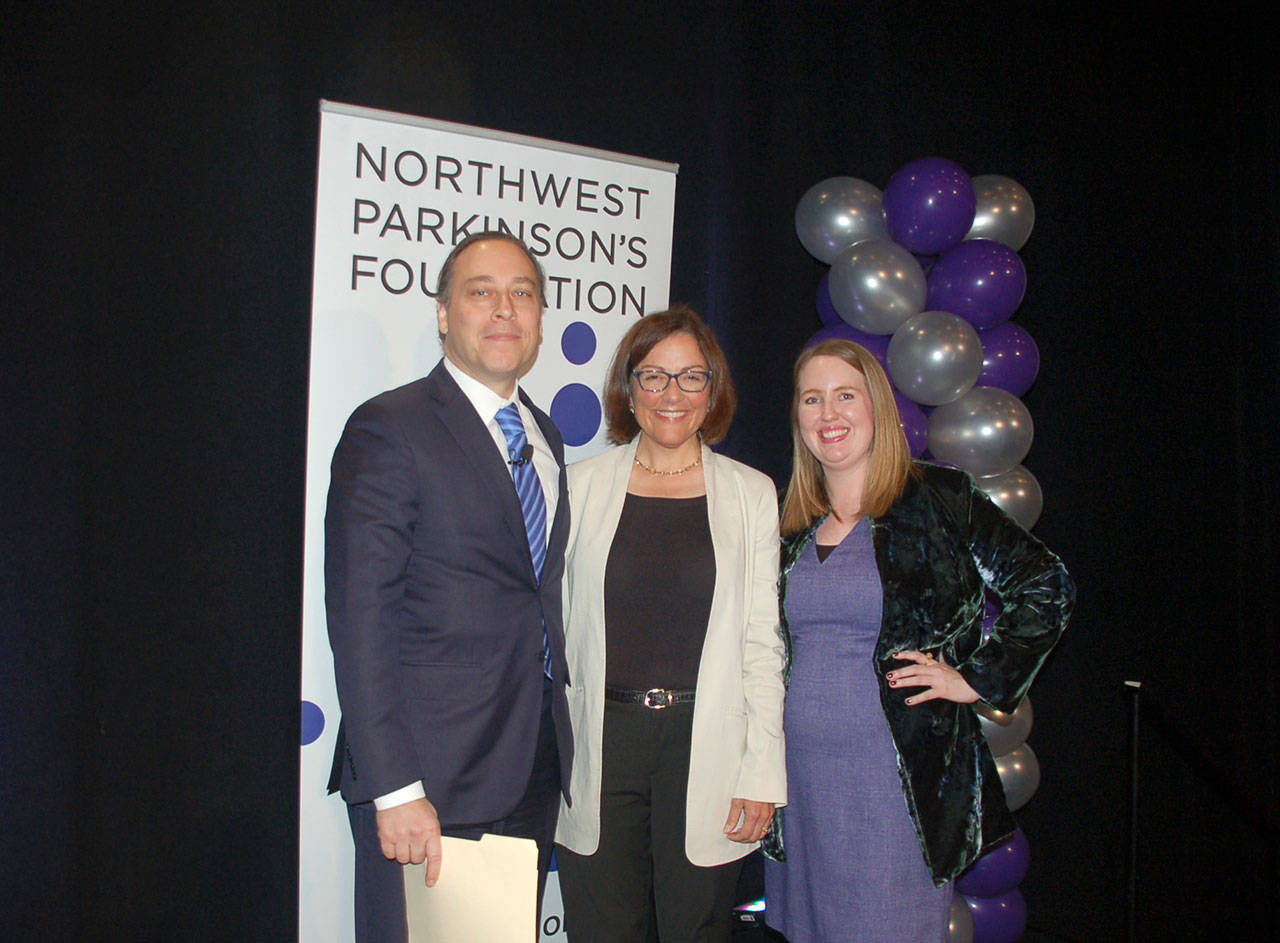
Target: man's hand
[410,834]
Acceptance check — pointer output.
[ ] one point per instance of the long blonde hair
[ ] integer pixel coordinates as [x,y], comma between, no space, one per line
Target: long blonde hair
[890,464]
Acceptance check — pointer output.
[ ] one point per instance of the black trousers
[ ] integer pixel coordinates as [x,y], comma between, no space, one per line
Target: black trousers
[639,885]
[379,884]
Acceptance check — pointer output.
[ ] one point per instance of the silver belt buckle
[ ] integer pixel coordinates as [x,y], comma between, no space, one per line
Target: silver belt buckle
[657,698]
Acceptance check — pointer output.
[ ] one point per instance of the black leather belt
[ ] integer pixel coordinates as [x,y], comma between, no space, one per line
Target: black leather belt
[654,699]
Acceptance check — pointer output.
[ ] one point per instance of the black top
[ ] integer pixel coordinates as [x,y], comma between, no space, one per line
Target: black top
[657,593]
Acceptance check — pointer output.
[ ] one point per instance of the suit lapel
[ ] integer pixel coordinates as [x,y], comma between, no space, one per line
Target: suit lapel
[459,417]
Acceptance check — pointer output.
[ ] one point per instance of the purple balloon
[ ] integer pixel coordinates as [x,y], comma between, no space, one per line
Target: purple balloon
[929,205]
[981,280]
[877,344]
[1010,358]
[915,424]
[991,610]
[998,871]
[998,919]
[827,313]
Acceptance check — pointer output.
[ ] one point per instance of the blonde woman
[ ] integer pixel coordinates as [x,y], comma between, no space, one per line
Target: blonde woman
[885,563]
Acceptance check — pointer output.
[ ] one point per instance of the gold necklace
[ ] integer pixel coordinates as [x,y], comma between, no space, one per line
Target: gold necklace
[679,471]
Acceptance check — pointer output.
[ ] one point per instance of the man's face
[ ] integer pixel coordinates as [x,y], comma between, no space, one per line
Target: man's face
[492,319]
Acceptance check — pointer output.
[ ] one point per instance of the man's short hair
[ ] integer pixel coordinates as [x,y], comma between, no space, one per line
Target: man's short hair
[445,278]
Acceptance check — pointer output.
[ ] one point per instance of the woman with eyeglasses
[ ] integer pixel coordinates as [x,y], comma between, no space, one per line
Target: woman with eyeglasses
[675,663]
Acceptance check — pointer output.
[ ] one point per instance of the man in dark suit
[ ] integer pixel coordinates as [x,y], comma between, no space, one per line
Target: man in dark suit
[442,589]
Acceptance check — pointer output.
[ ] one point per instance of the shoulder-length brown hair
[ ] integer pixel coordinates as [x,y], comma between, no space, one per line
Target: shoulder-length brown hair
[890,462]
[635,345]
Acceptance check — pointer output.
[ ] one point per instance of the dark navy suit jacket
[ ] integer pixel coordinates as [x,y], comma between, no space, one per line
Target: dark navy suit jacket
[435,615]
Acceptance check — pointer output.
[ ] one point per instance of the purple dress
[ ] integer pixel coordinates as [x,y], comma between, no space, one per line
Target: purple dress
[854,867]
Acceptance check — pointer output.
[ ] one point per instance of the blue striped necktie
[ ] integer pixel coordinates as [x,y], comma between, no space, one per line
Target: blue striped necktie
[532,503]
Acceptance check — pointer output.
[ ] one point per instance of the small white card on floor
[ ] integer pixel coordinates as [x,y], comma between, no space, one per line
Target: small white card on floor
[487,892]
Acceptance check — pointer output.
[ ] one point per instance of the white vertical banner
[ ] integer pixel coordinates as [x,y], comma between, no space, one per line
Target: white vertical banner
[394,194]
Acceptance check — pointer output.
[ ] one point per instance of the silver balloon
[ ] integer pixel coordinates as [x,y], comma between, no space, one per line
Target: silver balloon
[1004,211]
[1005,732]
[987,431]
[960,929]
[934,357]
[836,213]
[1019,775]
[1017,493]
[876,285]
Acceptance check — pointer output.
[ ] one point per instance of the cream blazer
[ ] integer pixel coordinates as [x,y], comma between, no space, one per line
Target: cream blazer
[737,748]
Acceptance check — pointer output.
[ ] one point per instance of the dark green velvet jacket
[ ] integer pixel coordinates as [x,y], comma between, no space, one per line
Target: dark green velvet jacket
[938,546]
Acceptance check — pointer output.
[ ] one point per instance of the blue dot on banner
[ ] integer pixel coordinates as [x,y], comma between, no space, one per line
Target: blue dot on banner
[312,722]
[576,413]
[578,343]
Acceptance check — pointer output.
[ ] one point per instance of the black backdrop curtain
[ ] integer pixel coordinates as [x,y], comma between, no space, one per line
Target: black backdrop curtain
[159,185]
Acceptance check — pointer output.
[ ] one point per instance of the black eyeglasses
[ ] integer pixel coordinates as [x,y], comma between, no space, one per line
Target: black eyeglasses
[653,380]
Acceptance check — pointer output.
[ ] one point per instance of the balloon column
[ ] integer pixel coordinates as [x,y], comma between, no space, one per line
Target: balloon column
[926,276]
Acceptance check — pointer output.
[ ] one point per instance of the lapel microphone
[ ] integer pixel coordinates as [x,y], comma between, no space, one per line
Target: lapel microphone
[526,454]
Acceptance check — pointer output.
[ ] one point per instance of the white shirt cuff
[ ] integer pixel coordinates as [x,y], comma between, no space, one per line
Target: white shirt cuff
[400,797]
